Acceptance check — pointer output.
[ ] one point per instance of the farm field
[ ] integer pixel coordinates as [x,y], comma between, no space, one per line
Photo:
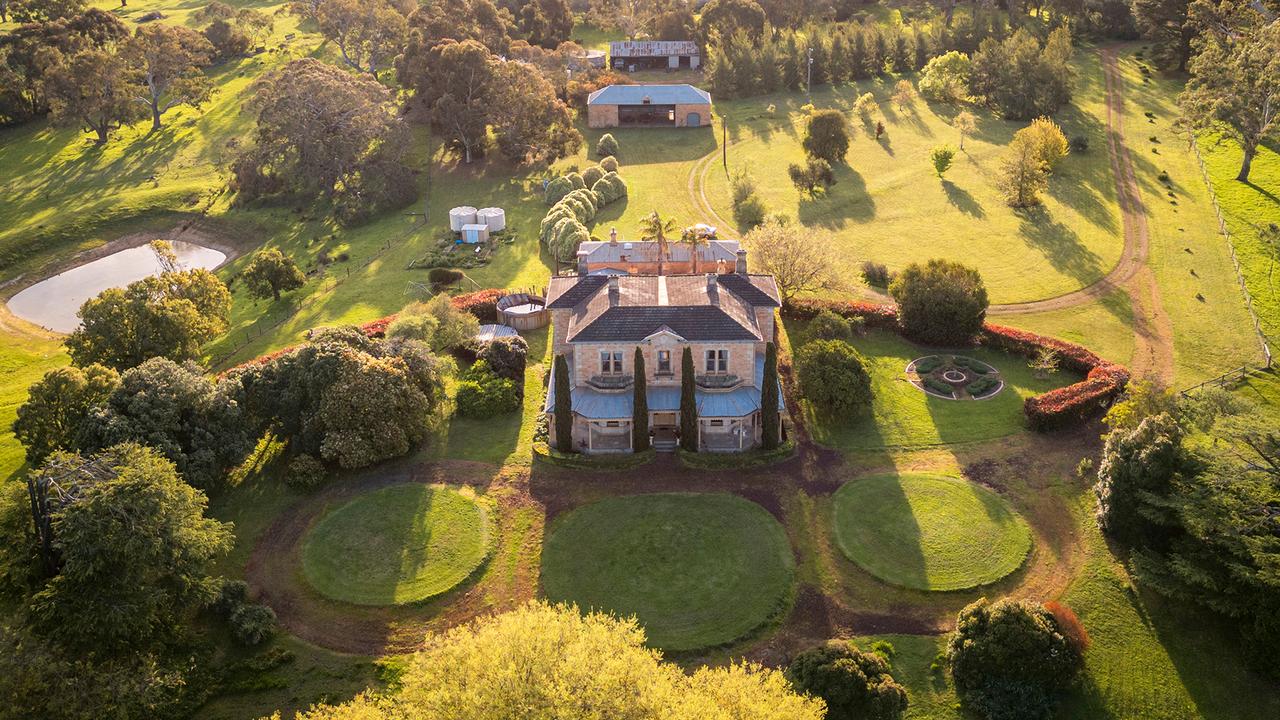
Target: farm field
[718,565]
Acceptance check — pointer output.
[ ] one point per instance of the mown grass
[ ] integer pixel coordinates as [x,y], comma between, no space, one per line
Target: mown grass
[929,532]
[397,545]
[889,206]
[697,570]
[903,416]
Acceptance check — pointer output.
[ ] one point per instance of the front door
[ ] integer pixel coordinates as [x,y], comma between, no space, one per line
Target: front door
[694,119]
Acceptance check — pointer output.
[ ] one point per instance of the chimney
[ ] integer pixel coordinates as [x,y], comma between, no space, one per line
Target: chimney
[613,236]
[614,291]
[713,289]
[741,268]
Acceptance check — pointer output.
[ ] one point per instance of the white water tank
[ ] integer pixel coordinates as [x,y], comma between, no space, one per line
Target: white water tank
[459,216]
[494,217]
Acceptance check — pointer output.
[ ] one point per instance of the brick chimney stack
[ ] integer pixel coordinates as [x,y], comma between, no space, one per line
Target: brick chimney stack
[741,267]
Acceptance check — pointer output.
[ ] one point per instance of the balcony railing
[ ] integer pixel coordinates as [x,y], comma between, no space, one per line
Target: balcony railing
[717,382]
[611,382]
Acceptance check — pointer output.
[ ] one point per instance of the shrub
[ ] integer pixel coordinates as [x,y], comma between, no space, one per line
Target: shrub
[592,175]
[941,157]
[833,376]
[982,386]
[252,623]
[609,164]
[830,326]
[610,188]
[938,386]
[1080,144]
[607,146]
[506,356]
[866,105]
[742,186]
[940,303]
[231,594]
[815,173]
[855,685]
[876,274]
[305,473]
[1010,659]
[945,78]
[751,212]
[1069,624]
[926,365]
[444,276]
[826,136]
[482,394]
[557,189]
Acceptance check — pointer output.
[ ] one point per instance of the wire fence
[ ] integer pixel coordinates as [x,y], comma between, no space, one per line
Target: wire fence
[1238,374]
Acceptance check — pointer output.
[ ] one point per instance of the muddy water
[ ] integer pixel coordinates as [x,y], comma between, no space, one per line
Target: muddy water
[53,302]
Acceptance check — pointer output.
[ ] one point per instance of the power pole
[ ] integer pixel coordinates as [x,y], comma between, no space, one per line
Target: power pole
[808,81]
[724,143]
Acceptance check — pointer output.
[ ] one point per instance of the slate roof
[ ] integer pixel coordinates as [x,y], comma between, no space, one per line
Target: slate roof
[633,324]
[657,95]
[746,287]
[566,292]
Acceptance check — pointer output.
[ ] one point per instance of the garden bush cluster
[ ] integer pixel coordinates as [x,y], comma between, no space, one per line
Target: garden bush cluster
[575,199]
[1062,407]
[483,393]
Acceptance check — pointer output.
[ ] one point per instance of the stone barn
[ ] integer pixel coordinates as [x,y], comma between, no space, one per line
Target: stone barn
[649,106]
[632,55]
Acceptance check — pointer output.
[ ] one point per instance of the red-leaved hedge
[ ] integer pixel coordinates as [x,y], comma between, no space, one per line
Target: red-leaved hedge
[481,303]
[1065,406]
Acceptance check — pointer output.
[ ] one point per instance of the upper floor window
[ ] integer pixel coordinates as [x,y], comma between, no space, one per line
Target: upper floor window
[717,361]
[664,361]
[610,363]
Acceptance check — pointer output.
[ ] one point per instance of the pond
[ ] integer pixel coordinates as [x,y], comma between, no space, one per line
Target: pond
[54,301]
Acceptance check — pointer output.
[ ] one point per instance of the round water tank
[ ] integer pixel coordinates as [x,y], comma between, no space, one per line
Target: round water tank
[494,217]
[459,216]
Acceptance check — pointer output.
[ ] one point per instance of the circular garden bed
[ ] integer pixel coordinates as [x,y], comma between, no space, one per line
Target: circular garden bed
[929,532]
[955,377]
[400,544]
[697,570]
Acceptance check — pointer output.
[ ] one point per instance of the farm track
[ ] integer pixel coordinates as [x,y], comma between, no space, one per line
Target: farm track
[1153,332]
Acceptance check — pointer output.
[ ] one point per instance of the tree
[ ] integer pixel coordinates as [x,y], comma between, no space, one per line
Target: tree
[815,173]
[945,78]
[904,94]
[344,397]
[653,228]
[1046,139]
[323,132]
[941,157]
[855,685]
[1023,175]
[529,123]
[639,406]
[1021,79]
[437,22]
[368,33]
[966,124]
[796,257]
[57,405]
[1139,466]
[546,22]
[1235,87]
[179,412]
[1045,363]
[25,56]
[169,60]
[1010,659]
[270,272]
[723,18]
[568,664]
[696,238]
[134,548]
[770,418]
[90,88]
[563,409]
[833,376]
[452,85]
[941,303]
[169,315]
[675,24]
[826,136]
[689,435]
[607,146]
[1169,27]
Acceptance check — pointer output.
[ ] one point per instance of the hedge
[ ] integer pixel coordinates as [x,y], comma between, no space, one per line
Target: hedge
[481,303]
[1063,407]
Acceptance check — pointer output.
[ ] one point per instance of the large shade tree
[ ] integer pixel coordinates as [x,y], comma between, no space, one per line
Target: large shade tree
[57,406]
[368,33]
[941,303]
[91,88]
[168,62]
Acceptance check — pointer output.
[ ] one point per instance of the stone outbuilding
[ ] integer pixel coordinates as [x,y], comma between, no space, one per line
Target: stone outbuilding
[649,106]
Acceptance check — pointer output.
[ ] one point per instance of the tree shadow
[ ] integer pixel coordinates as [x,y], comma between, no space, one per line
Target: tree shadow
[963,200]
[646,146]
[846,200]
[1059,244]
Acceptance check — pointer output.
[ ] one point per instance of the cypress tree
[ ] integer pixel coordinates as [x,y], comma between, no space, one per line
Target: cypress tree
[769,399]
[857,53]
[688,404]
[563,407]
[639,408]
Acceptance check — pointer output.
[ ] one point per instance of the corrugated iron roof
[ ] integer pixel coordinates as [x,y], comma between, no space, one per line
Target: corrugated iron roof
[652,48]
[649,94]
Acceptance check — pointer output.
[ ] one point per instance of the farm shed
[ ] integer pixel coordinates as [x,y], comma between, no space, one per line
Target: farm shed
[631,55]
[649,106]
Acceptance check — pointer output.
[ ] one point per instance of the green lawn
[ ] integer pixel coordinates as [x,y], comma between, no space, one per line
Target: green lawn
[397,545]
[889,206]
[902,416]
[695,570]
[929,532]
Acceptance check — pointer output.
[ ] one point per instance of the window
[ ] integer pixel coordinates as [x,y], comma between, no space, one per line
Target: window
[664,361]
[612,423]
[610,363]
[717,423]
[717,361]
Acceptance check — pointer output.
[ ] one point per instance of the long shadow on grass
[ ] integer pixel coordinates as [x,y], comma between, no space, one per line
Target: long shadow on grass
[846,200]
[1060,245]
[963,200]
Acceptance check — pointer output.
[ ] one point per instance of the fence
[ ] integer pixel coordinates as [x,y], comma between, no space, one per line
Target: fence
[1242,372]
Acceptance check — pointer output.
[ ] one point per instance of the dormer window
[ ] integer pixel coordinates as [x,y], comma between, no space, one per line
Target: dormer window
[717,362]
[610,363]
[664,362]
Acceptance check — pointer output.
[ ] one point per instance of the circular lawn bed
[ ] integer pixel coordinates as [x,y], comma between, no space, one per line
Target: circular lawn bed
[397,545]
[929,532]
[696,570]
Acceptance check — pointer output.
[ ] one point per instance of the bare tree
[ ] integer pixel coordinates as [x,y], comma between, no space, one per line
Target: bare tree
[798,258]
